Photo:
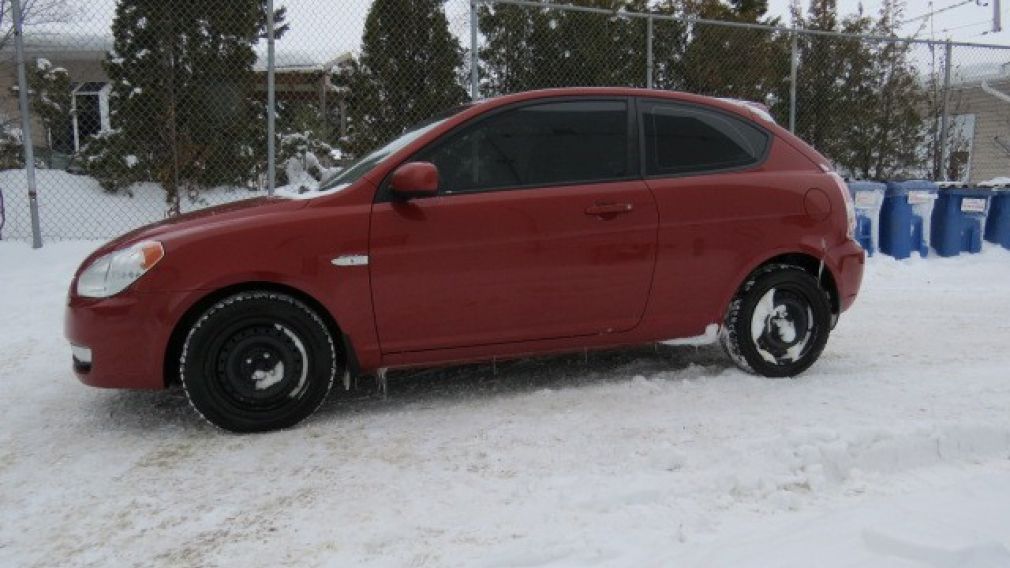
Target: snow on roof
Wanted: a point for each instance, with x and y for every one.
(295, 60)
(70, 45)
(979, 72)
(995, 182)
(76, 45)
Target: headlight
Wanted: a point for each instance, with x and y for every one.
(110, 274)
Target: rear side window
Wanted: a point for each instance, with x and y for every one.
(537, 145)
(683, 139)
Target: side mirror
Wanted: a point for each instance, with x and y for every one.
(415, 179)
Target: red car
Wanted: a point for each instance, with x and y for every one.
(540, 222)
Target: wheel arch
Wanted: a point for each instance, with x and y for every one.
(173, 350)
(811, 264)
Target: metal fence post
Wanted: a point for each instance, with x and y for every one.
(474, 56)
(271, 104)
(794, 65)
(648, 52)
(945, 116)
(26, 123)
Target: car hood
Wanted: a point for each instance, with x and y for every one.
(204, 219)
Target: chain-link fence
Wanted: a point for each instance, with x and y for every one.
(142, 109)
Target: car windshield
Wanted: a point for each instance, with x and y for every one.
(353, 173)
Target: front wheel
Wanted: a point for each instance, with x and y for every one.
(258, 361)
(778, 323)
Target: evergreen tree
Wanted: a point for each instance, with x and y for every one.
(733, 62)
(598, 50)
(409, 69)
(669, 46)
(819, 70)
(50, 100)
(828, 76)
(528, 48)
(521, 47)
(957, 143)
(183, 102)
(886, 128)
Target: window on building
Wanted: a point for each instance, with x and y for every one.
(89, 113)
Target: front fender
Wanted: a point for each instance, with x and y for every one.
(295, 251)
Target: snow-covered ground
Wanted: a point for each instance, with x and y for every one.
(894, 450)
(75, 206)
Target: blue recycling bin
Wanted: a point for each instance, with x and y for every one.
(959, 220)
(867, 197)
(997, 225)
(905, 218)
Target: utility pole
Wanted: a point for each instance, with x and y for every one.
(26, 122)
(945, 116)
(474, 54)
(997, 24)
(794, 64)
(271, 103)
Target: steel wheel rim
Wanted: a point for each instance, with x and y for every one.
(259, 367)
(783, 326)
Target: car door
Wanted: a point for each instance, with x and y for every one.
(542, 228)
(718, 205)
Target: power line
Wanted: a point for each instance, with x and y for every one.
(983, 22)
(937, 11)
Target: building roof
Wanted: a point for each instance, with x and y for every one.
(296, 60)
(77, 46)
(977, 73)
(66, 45)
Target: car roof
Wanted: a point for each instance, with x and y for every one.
(739, 107)
(464, 113)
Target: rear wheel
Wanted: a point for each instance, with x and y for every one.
(778, 323)
(258, 361)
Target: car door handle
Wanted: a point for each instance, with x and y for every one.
(609, 209)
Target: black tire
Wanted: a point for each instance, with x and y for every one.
(258, 361)
(778, 323)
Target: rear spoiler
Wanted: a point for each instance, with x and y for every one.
(759, 108)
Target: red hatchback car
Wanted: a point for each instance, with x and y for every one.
(547, 221)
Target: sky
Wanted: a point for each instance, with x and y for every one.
(969, 22)
(336, 25)
(326, 28)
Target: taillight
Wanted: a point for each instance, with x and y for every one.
(850, 207)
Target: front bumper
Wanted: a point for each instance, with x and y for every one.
(120, 342)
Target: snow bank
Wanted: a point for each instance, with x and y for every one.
(892, 451)
(996, 182)
(75, 206)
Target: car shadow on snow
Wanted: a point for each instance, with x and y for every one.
(516, 377)
(145, 411)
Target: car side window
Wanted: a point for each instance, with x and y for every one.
(683, 139)
(536, 145)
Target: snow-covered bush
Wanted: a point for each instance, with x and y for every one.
(11, 152)
(183, 96)
(109, 158)
(50, 97)
(305, 160)
(304, 156)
